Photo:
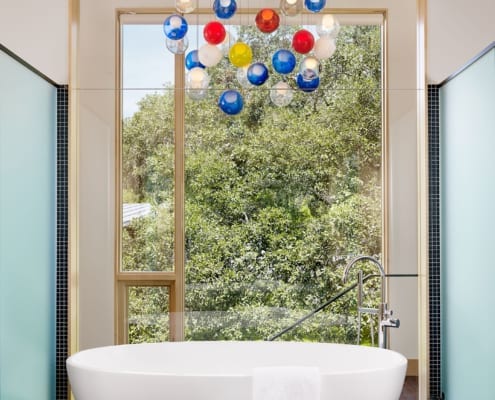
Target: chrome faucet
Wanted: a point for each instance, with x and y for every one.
(384, 314)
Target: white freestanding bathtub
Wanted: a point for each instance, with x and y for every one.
(223, 370)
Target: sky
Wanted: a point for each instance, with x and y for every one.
(147, 63)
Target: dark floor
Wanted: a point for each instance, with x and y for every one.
(410, 391)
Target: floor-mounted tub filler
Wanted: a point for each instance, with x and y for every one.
(236, 371)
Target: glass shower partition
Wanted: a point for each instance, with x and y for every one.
(27, 232)
(467, 176)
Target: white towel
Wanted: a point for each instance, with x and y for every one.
(286, 383)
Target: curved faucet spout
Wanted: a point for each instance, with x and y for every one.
(362, 258)
(374, 261)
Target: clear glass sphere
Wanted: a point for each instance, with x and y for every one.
(197, 82)
(291, 8)
(209, 55)
(309, 68)
(281, 94)
(324, 48)
(328, 26)
(225, 45)
(197, 78)
(241, 76)
(197, 94)
(185, 6)
(177, 46)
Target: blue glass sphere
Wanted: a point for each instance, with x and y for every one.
(231, 102)
(315, 5)
(175, 27)
(192, 60)
(283, 61)
(307, 85)
(224, 9)
(257, 73)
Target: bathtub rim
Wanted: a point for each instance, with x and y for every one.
(400, 361)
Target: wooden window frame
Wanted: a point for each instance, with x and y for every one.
(123, 293)
(175, 280)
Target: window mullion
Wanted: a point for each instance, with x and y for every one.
(177, 300)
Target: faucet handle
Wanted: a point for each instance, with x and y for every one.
(387, 320)
(390, 323)
(387, 313)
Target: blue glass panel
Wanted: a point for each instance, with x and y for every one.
(27, 233)
(467, 179)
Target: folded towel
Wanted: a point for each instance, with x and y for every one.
(286, 383)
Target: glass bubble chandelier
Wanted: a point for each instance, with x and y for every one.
(251, 73)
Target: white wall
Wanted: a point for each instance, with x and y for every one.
(457, 31)
(97, 181)
(37, 31)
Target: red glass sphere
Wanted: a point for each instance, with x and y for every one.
(267, 20)
(303, 41)
(214, 32)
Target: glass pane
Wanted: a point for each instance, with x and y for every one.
(279, 198)
(147, 314)
(336, 324)
(28, 133)
(147, 150)
(467, 176)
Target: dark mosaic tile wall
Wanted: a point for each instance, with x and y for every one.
(62, 308)
(434, 239)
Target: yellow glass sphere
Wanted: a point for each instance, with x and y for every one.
(240, 55)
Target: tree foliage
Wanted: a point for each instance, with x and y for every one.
(277, 199)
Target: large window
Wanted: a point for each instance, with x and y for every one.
(235, 226)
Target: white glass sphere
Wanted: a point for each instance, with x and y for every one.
(185, 6)
(328, 26)
(281, 94)
(324, 48)
(209, 55)
(309, 68)
(177, 46)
